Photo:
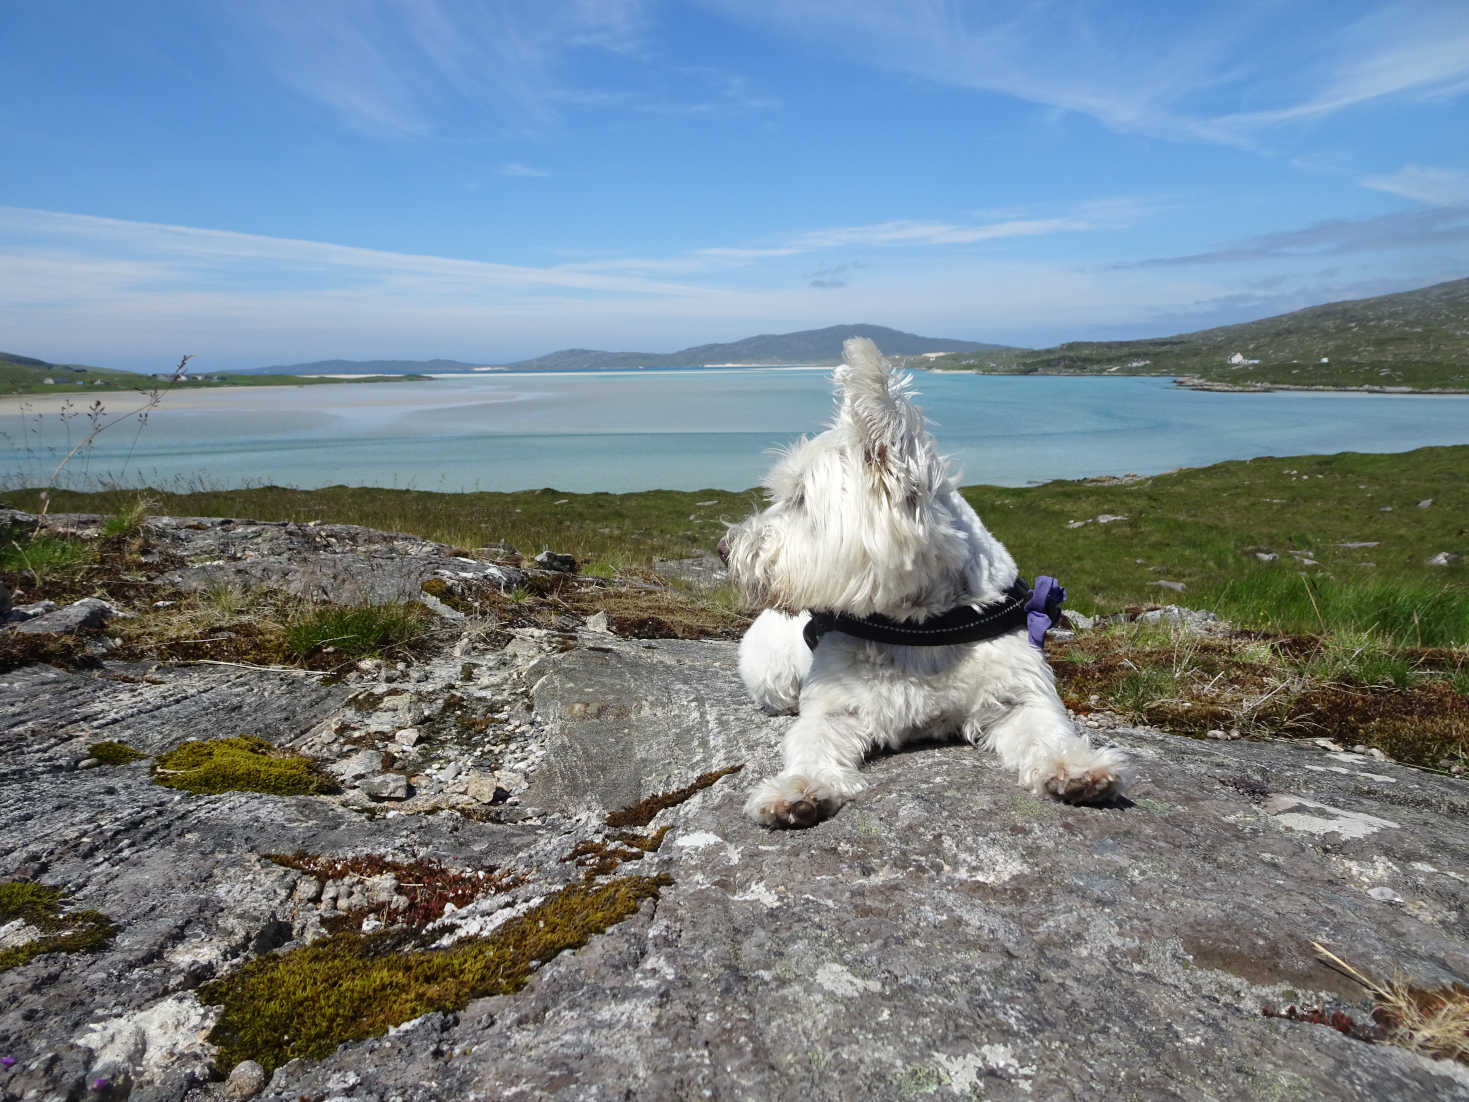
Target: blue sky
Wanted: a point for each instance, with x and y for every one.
(276, 181)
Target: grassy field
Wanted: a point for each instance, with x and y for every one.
(1340, 626)
(1203, 528)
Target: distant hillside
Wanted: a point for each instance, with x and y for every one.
(813, 346)
(27, 375)
(362, 367)
(1417, 340)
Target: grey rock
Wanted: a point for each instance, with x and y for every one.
(1198, 619)
(1426, 503)
(552, 560)
(32, 610)
(4, 601)
(1078, 620)
(1177, 587)
(943, 935)
(363, 763)
(599, 622)
(1266, 556)
(385, 786)
(89, 612)
(704, 571)
(1444, 558)
(245, 1081)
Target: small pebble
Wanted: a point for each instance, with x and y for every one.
(245, 1081)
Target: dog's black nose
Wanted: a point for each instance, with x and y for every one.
(723, 549)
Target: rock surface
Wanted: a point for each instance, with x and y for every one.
(946, 935)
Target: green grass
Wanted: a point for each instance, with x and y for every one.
(354, 631)
(45, 558)
(1201, 527)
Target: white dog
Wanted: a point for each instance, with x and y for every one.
(865, 523)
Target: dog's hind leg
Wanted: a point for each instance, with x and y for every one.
(822, 754)
(1036, 738)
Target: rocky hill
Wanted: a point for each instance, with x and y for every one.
(1416, 340)
(810, 346)
(515, 866)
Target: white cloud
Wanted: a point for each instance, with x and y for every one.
(516, 168)
(1443, 187)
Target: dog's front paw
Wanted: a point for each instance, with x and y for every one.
(791, 800)
(1098, 780)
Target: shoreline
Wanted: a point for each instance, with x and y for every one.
(1195, 382)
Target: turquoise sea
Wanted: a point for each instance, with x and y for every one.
(686, 430)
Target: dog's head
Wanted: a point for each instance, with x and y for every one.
(865, 518)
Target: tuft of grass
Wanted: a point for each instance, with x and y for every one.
(46, 558)
(126, 521)
(114, 753)
(306, 1002)
(242, 764)
(40, 906)
(1434, 1022)
(354, 631)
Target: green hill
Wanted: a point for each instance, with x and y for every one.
(1414, 340)
(28, 375)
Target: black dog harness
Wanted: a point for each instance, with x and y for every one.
(965, 624)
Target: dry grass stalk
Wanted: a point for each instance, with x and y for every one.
(1432, 1022)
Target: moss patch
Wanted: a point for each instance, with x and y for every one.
(40, 906)
(114, 753)
(642, 812)
(306, 1002)
(241, 764)
(602, 856)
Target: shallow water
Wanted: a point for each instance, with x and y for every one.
(687, 430)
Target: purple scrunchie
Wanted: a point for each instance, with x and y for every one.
(1043, 610)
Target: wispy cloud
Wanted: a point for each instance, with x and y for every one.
(1174, 76)
(1440, 186)
(902, 232)
(152, 254)
(516, 168)
(1442, 226)
(415, 68)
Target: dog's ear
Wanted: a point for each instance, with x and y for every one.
(888, 424)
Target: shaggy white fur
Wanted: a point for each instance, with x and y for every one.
(865, 519)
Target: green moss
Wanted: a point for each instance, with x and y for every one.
(39, 905)
(242, 764)
(114, 753)
(642, 812)
(306, 1002)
